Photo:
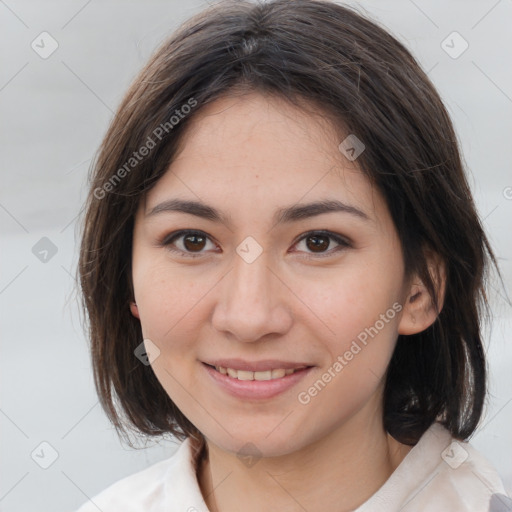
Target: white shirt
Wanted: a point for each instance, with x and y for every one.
(438, 474)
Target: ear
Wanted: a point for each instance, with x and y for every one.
(419, 311)
(134, 309)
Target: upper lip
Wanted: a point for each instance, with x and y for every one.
(256, 366)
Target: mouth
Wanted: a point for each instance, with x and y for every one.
(255, 381)
(275, 373)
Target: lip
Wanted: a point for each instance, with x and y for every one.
(256, 389)
(256, 366)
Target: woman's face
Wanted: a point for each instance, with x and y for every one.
(293, 262)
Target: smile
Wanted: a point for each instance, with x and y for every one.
(264, 381)
(262, 375)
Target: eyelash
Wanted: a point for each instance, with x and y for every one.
(343, 242)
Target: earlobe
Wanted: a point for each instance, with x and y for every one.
(134, 309)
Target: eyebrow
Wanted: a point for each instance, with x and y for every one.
(282, 215)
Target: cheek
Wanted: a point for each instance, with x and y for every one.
(170, 303)
(350, 299)
(358, 344)
(172, 310)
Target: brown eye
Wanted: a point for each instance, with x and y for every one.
(189, 243)
(322, 243)
(317, 243)
(194, 242)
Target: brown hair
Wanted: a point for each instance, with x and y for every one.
(363, 79)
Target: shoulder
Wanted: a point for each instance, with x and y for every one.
(166, 484)
(131, 492)
(441, 473)
(468, 479)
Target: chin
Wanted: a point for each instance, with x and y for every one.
(258, 443)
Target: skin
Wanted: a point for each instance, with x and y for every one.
(247, 157)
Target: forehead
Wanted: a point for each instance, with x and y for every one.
(265, 150)
(267, 128)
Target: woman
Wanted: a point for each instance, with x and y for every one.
(283, 268)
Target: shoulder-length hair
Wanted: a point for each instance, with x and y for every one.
(366, 82)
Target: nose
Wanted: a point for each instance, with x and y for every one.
(253, 302)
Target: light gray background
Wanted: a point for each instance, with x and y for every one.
(54, 113)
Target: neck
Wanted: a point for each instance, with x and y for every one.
(339, 472)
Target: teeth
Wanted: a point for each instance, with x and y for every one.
(232, 373)
(278, 373)
(266, 375)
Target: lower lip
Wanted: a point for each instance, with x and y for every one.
(256, 389)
